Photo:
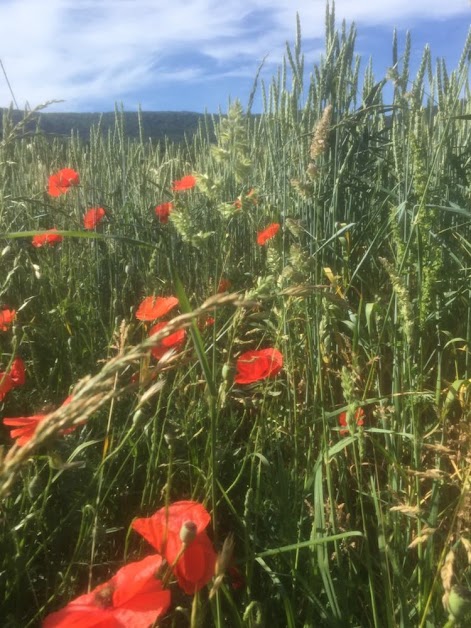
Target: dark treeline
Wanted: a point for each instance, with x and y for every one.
(154, 125)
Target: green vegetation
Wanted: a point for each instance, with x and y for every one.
(366, 292)
(173, 126)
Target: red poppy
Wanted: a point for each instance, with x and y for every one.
(15, 377)
(268, 233)
(48, 237)
(359, 417)
(25, 426)
(61, 181)
(134, 598)
(163, 211)
(193, 563)
(185, 183)
(6, 384)
(173, 341)
(253, 366)
(93, 217)
(18, 372)
(155, 307)
(204, 323)
(236, 578)
(224, 285)
(6, 318)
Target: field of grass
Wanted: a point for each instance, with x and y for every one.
(365, 290)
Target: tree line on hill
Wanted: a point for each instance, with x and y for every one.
(148, 125)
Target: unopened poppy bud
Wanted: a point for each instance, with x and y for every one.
(226, 371)
(138, 418)
(188, 532)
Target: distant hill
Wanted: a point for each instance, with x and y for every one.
(156, 125)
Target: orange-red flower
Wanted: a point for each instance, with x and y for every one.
(93, 217)
(173, 341)
(155, 307)
(15, 377)
(237, 579)
(252, 366)
(163, 211)
(224, 285)
(49, 237)
(6, 384)
(18, 372)
(25, 426)
(193, 563)
(185, 183)
(61, 181)
(268, 233)
(133, 598)
(6, 319)
(359, 418)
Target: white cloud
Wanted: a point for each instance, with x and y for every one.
(87, 51)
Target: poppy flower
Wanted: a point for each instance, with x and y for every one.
(252, 366)
(204, 323)
(155, 307)
(25, 426)
(185, 183)
(192, 559)
(93, 217)
(49, 237)
(134, 598)
(18, 372)
(224, 285)
(6, 318)
(359, 417)
(6, 384)
(60, 182)
(15, 377)
(173, 341)
(163, 211)
(268, 233)
(236, 578)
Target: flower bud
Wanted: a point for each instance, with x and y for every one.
(188, 532)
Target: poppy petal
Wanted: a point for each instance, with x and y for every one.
(93, 217)
(61, 181)
(163, 211)
(155, 307)
(185, 183)
(6, 319)
(49, 237)
(267, 233)
(18, 372)
(253, 366)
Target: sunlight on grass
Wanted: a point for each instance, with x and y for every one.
(263, 344)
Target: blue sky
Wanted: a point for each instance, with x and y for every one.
(194, 55)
